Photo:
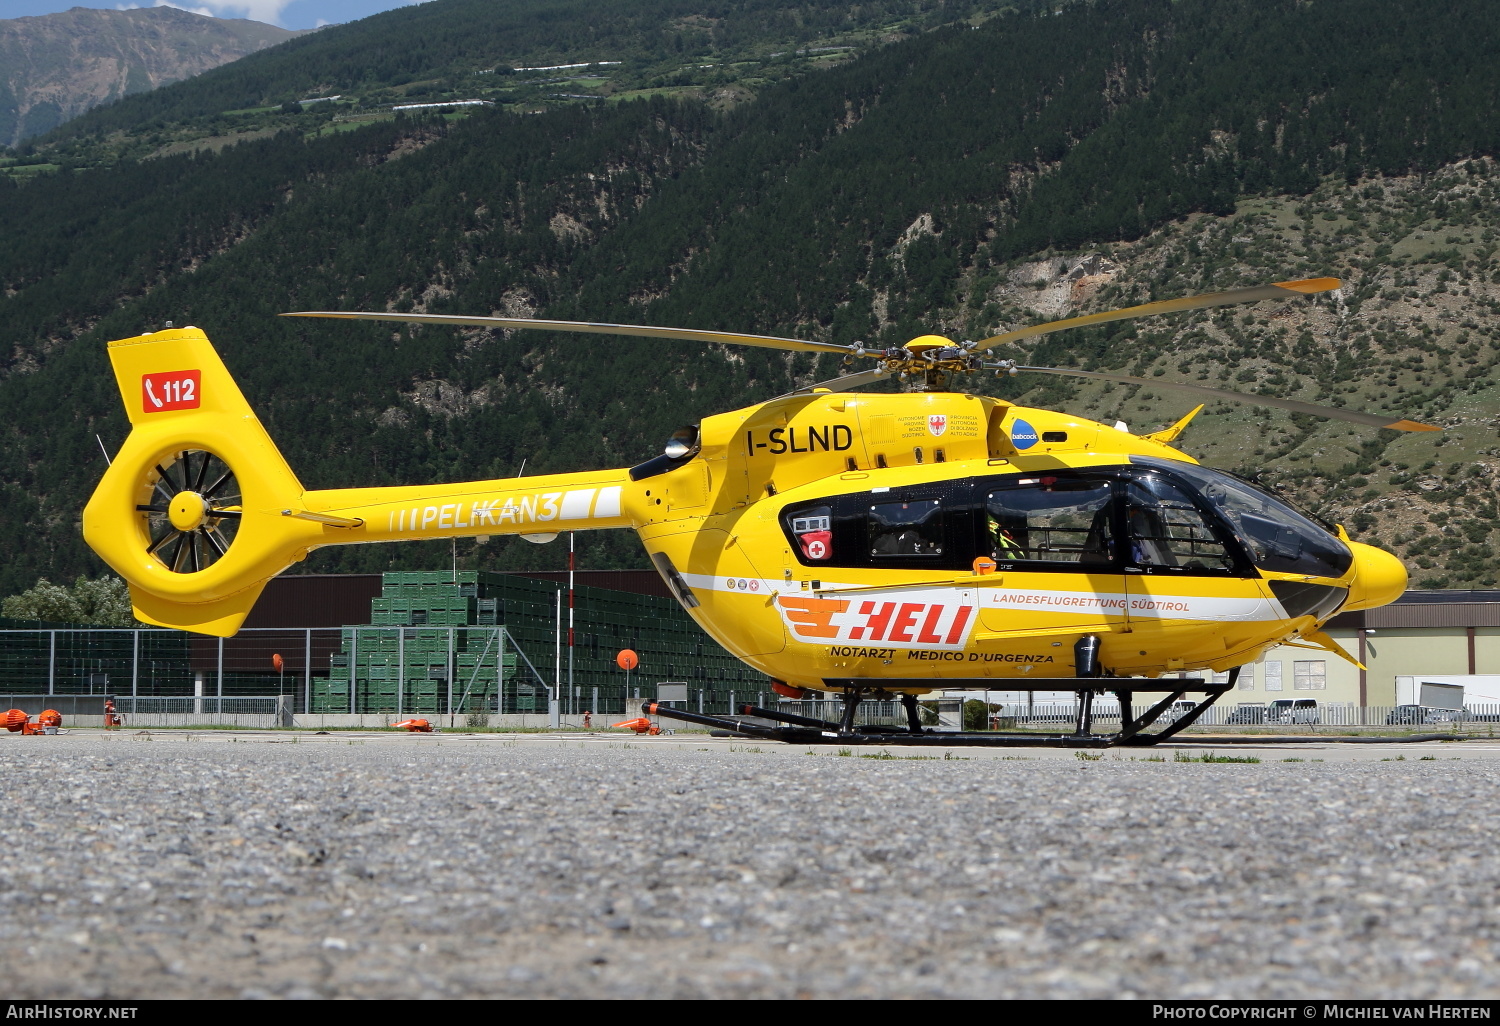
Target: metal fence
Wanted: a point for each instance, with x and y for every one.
(1480, 717)
(262, 711)
(349, 670)
(357, 670)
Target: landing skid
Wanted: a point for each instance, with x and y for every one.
(804, 730)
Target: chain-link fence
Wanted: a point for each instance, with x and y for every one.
(977, 714)
(337, 670)
(394, 671)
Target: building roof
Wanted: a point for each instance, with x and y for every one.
(1457, 608)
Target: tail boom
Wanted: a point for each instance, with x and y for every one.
(199, 509)
(587, 501)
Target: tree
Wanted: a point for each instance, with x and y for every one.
(102, 602)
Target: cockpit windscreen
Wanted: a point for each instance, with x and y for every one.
(1278, 537)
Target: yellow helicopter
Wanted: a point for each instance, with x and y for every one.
(864, 544)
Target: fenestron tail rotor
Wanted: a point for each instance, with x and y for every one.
(937, 359)
(193, 511)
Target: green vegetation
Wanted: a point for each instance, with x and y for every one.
(939, 182)
(522, 54)
(103, 602)
(1213, 757)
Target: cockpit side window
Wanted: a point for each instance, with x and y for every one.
(1063, 520)
(1168, 533)
(1277, 536)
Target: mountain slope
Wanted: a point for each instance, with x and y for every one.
(1118, 152)
(56, 66)
(470, 49)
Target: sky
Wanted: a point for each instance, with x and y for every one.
(292, 14)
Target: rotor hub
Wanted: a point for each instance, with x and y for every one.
(187, 511)
(922, 344)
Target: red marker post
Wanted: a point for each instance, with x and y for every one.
(627, 660)
(279, 665)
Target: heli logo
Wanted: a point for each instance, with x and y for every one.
(937, 424)
(895, 623)
(171, 390)
(1023, 435)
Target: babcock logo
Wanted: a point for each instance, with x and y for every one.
(1022, 435)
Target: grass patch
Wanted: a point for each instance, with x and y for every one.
(1088, 756)
(1213, 757)
(1293, 760)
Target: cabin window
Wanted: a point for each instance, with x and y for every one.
(813, 530)
(1051, 519)
(1169, 533)
(926, 529)
(905, 528)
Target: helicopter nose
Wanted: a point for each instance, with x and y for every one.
(1379, 578)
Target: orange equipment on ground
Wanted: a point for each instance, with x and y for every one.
(588, 719)
(112, 719)
(641, 725)
(416, 726)
(17, 722)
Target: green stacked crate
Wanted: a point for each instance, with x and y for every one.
(447, 617)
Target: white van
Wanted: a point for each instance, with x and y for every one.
(1293, 710)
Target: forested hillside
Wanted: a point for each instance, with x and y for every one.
(56, 66)
(528, 56)
(968, 179)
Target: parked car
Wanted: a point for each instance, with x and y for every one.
(1247, 714)
(1411, 715)
(1293, 710)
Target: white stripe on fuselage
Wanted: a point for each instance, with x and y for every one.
(942, 616)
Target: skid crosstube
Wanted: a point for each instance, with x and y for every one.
(795, 729)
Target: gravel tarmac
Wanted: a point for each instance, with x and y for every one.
(140, 866)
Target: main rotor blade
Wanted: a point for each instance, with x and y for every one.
(641, 330)
(848, 381)
(1295, 405)
(1280, 290)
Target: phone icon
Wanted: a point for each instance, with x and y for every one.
(165, 391)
